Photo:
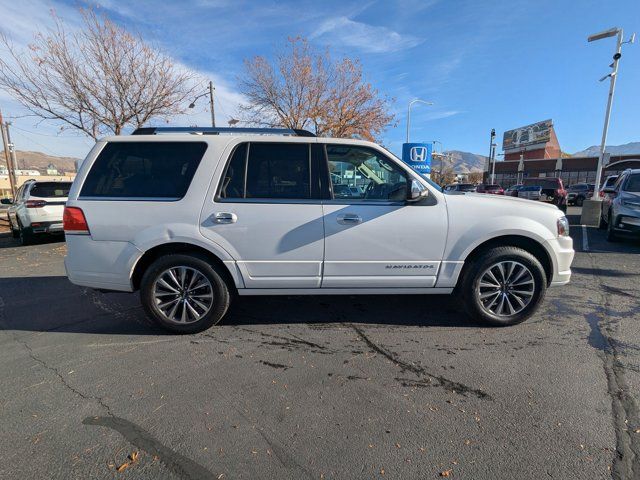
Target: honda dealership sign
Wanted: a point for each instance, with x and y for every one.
(417, 156)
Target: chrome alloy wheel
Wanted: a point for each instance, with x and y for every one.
(183, 295)
(505, 288)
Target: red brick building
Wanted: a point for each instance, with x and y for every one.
(534, 151)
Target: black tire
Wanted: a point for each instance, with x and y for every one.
(579, 201)
(25, 235)
(563, 208)
(220, 289)
(603, 223)
(469, 289)
(14, 233)
(611, 234)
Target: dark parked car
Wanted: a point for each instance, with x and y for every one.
(579, 192)
(460, 187)
(513, 190)
(552, 190)
(608, 183)
(490, 188)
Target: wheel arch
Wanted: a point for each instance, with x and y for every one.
(149, 256)
(527, 244)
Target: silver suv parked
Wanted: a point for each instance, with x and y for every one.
(620, 213)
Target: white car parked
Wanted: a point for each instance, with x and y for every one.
(38, 209)
(191, 220)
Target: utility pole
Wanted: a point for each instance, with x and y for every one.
(5, 142)
(213, 115)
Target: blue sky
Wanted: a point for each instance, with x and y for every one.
(492, 64)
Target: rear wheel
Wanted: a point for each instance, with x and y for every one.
(184, 293)
(611, 234)
(504, 286)
(25, 235)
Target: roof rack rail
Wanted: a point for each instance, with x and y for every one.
(218, 130)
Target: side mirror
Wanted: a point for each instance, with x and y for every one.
(417, 192)
(6, 201)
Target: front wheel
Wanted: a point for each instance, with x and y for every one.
(504, 286)
(579, 201)
(184, 293)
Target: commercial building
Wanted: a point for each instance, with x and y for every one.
(534, 151)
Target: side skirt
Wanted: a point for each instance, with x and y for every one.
(344, 291)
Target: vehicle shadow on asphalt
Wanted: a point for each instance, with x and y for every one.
(7, 241)
(66, 308)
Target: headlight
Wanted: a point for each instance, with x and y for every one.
(563, 227)
(630, 203)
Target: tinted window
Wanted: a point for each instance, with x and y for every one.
(269, 171)
(379, 178)
(144, 170)
(278, 171)
(633, 183)
(232, 185)
(50, 189)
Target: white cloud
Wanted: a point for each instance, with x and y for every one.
(368, 38)
(31, 133)
(441, 114)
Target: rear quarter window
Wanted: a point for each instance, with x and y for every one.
(153, 170)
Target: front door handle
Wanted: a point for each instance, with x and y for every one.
(349, 219)
(224, 217)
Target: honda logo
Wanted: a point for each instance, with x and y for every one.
(418, 154)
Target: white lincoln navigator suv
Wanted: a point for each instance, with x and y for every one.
(192, 217)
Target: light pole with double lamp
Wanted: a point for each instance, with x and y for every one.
(613, 75)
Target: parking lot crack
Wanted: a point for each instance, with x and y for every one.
(446, 383)
(626, 417)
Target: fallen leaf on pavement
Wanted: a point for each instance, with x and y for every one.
(446, 473)
(122, 467)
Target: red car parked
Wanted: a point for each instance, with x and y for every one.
(489, 188)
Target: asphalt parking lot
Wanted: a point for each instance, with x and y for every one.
(321, 387)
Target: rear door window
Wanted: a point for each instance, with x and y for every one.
(140, 170)
(269, 171)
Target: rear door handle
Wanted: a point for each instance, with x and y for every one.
(224, 217)
(349, 219)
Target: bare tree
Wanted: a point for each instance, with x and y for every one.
(99, 80)
(307, 89)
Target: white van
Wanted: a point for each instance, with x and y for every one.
(192, 217)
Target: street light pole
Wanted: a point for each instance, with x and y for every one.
(491, 145)
(409, 113)
(612, 86)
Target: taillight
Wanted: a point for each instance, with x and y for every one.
(35, 203)
(73, 221)
(601, 193)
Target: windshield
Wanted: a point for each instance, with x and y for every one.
(633, 184)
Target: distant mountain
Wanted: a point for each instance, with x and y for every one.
(464, 162)
(626, 149)
(40, 161)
